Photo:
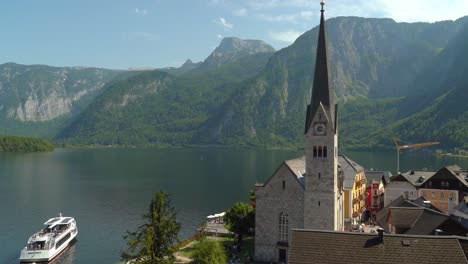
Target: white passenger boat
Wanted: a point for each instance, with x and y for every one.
(47, 244)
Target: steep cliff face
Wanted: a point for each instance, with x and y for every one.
(37, 93)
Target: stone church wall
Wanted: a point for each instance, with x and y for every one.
(271, 200)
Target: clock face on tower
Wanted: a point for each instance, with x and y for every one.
(320, 129)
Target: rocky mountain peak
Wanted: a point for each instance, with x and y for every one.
(232, 48)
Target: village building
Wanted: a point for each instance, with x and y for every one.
(354, 186)
(418, 217)
(406, 185)
(305, 192)
(329, 247)
(376, 181)
(444, 188)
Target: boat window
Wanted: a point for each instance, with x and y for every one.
(63, 240)
(37, 245)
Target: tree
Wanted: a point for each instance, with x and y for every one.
(240, 219)
(209, 252)
(154, 241)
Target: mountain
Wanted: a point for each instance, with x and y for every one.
(440, 96)
(391, 79)
(186, 67)
(157, 107)
(370, 58)
(232, 49)
(37, 99)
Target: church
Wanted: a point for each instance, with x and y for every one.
(305, 192)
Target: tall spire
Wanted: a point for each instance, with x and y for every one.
(322, 90)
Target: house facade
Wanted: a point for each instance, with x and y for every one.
(375, 188)
(354, 186)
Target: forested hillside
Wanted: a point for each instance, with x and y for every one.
(24, 144)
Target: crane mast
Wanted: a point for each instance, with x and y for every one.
(416, 145)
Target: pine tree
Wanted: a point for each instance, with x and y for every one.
(155, 240)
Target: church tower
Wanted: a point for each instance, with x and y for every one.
(323, 200)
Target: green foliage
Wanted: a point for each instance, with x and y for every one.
(24, 144)
(209, 252)
(155, 240)
(240, 219)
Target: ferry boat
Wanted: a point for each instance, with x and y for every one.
(48, 242)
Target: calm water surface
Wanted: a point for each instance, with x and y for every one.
(107, 190)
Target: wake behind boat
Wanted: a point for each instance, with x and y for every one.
(47, 244)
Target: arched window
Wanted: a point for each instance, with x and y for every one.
(325, 151)
(320, 152)
(283, 227)
(315, 151)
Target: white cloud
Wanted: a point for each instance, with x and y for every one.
(221, 21)
(141, 12)
(285, 36)
(295, 11)
(240, 12)
(219, 36)
(400, 10)
(424, 10)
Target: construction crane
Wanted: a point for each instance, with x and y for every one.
(417, 145)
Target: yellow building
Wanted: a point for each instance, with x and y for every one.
(354, 186)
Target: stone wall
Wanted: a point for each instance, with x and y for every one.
(271, 200)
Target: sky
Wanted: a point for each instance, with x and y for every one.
(118, 34)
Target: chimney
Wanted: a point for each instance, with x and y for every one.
(427, 204)
(437, 232)
(450, 206)
(380, 231)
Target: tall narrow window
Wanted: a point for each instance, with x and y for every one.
(315, 151)
(320, 152)
(325, 151)
(284, 185)
(283, 227)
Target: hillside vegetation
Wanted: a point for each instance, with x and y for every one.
(24, 144)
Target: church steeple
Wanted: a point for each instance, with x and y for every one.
(322, 90)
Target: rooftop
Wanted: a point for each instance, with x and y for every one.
(316, 246)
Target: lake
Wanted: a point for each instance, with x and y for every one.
(108, 190)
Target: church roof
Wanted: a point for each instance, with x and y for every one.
(322, 91)
(297, 166)
(317, 246)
